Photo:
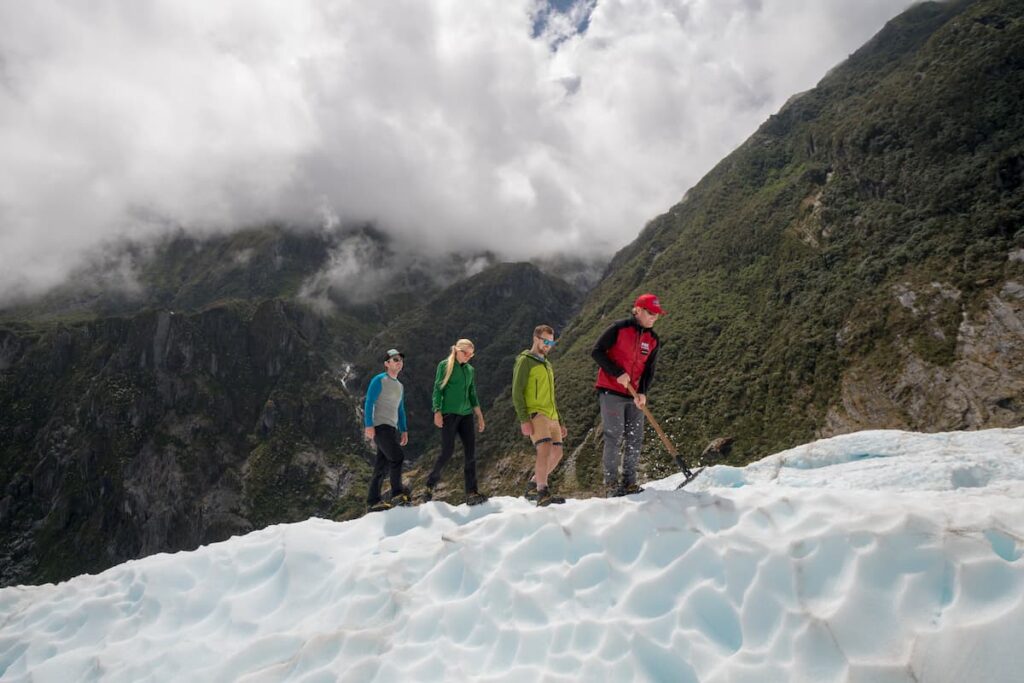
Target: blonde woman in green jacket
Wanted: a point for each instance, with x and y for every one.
(533, 395)
(454, 403)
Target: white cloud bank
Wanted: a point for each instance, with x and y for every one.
(446, 121)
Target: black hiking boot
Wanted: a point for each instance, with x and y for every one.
(427, 495)
(630, 489)
(379, 506)
(613, 491)
(401, 497)
(545, 498)
(475, 498)
(531, 491)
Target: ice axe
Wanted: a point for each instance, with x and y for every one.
(687, 472)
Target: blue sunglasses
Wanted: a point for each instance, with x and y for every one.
(549, 342)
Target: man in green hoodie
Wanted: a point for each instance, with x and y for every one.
(533, 395)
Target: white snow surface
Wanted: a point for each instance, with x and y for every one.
(881, 556)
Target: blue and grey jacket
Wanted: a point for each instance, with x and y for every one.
(385, 403)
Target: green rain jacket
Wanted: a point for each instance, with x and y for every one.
(533, 387)
(459, 395)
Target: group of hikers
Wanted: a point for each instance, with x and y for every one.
(625, 353)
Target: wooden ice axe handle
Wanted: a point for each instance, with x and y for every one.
(657, 427)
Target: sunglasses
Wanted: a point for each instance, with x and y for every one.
(548, 342)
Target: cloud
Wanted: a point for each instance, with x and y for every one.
(451, 125)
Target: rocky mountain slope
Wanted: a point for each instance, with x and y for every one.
(857, 263)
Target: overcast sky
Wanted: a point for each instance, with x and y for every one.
(462, 124)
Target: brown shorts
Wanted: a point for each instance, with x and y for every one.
(545, 429)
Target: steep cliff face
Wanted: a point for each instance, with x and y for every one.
(124, 437)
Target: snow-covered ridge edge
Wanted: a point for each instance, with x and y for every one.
(991, 460)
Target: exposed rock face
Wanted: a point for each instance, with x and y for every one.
(126, 437)
(981, 387)
(716, 450)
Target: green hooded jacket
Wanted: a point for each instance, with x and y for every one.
(533, 387)
(459, 395)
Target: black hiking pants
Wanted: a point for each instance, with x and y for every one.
(389, 460)
(465, 428)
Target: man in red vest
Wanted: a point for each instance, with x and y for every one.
(625, 355)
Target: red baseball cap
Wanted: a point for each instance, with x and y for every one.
(649, 302)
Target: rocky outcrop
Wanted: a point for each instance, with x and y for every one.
(981, 387)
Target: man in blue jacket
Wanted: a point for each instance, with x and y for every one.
(384, 423)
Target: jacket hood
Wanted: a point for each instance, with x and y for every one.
(529, 354)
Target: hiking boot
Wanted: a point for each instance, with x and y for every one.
(427, 495)
(402, 497)
(531, 491)
(475, 498)
(379, 506)
(613, 491)
(630, 489)
(545, 498)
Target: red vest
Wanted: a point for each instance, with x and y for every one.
(630, 352)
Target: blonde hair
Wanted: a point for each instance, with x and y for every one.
(461, 345)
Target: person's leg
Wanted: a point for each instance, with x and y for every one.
(555, 456)
(387, 441)
(542, 442)
(613, 418)
(548, 455)
(467, 434)
(541, 471)
(557, 451)
(548, 441)
(448, 430)
(634, 440)
(380, 466)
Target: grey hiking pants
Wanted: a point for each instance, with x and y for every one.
(623, 430)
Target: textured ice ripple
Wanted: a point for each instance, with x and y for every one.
(763, 582)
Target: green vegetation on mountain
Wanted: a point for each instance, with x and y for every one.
(160, 430)
(127, 436)
(856, 237)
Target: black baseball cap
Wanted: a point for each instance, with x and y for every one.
(391, 353)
